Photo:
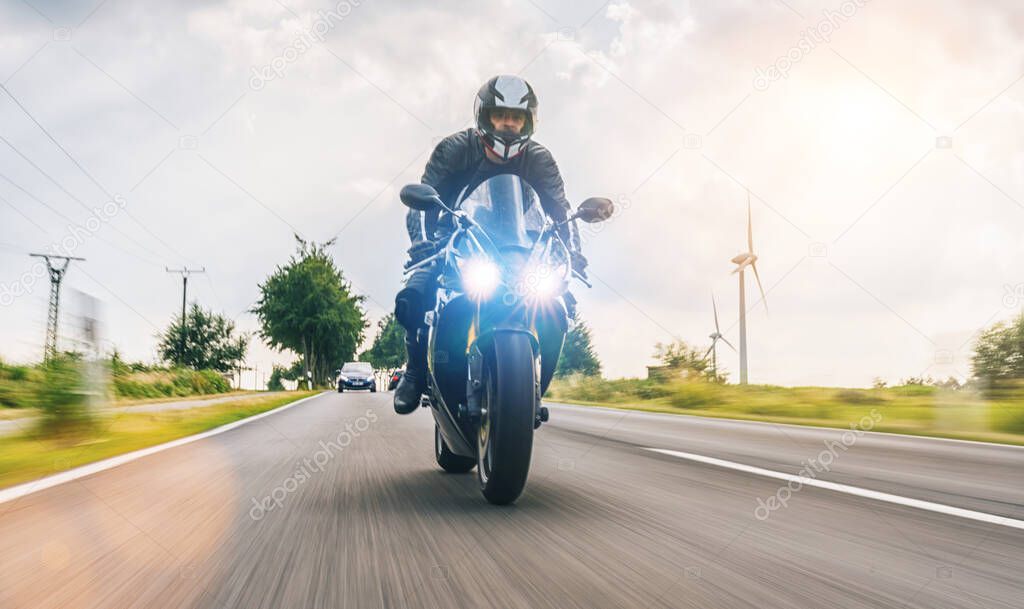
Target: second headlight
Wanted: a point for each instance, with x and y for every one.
(480, 276)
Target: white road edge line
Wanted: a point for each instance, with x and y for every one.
(849, 490)
(27, 488)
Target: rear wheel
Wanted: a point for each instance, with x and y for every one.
(449, 461)
(505, 438)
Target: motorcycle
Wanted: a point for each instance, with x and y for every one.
(497, 328)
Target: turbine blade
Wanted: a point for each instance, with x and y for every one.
(709, 350)
(726, 341)
(764, 298)
(715, 308)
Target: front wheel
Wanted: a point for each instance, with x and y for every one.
(505, 438)
(449, 461)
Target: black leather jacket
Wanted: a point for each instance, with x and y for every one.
(459, 161)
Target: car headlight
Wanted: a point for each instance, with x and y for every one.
(343, 378)
(480, 276)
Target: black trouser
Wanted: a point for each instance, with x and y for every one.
(411, 305)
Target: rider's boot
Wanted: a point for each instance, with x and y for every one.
(414, 381)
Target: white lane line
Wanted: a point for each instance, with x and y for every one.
(27, 488)
(849, 490)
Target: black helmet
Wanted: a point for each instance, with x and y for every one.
(505, 92)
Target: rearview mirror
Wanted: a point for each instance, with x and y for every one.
(420, 197)
(595, 209)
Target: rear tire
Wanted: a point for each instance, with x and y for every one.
(505, 438)
(449, 461)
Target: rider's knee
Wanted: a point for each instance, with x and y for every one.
(409, 308)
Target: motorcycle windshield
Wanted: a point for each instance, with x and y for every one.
(507, 209)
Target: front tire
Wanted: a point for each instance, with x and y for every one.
(449, 461)
(505, 438)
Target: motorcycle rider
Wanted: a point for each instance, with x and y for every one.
(506, 117)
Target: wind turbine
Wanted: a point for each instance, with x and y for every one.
(742, 261)
(715, 337)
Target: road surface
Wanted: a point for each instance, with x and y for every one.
(298, 510)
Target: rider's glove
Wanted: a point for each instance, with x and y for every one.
(579, 263)
(420, 251)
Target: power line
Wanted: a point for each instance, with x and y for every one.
(73, 197)
(22, 214)
(80, 167)
(73, 222)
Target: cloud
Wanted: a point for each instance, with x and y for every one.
(650, 102)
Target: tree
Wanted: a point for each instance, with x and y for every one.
(209, 343)
(578, 355)
(681, 357)
(274, 382)
(999, 352)
(63, 396)
(308, 308)
(388, 350)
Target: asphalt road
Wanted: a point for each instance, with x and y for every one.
(266, 516)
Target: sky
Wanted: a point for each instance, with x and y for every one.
(879, 142)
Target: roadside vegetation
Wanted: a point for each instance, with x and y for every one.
(914, 408)
(308, 308)
(989, 406)
(41, 452)
(34, 386)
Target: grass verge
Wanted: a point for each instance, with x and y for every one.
(29, 456)
(913, 409)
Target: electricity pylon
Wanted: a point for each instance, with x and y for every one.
(53, 314)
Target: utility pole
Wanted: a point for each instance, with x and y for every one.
(53, 314)
(184, 272)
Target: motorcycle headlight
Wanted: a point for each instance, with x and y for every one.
(480, 276)
(543, 281)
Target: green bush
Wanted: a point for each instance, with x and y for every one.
(63, 397)
(17, 394)
(915, 390)
(857, 396)
(649, 390)
(133, 389)
(1007, 418)
(693, 394)
(179, 382)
